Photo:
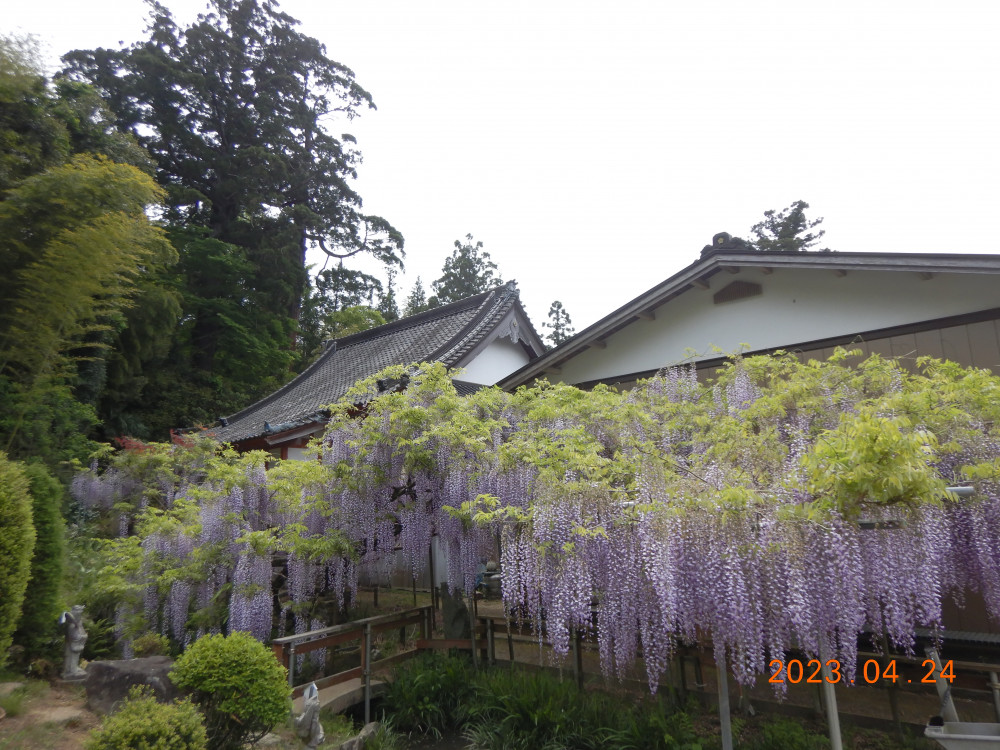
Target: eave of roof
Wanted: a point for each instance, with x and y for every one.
(715, 261)
(301, 401)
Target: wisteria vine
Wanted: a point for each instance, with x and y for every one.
(780, 506)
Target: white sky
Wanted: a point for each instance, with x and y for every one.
(595, 148)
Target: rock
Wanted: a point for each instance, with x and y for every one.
(108, 682)
(359, 742)
(6, 688)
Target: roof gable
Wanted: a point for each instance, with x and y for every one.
(446, 334)
(729, 297)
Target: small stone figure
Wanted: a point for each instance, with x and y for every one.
(307, 725)
(76, 637)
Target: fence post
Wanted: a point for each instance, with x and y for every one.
(491, 642)
(475, 648)
(366, 670)
(577, 659)
(291, 664)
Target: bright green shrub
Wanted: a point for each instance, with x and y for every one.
(17, 540)
(144, 724)
(37, 628)
(239, 686)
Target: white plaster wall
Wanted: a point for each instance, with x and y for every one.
(297, 454)
(498, 359)
(797, 305)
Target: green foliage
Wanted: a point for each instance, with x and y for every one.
(151, 644)
(17, 540)
(501, 709)
(144, 724)
(334, 291)
(239, 686)
(785, 734)
(429, 693)
(16, 701)
(37, 629)
(416, 302)
(559, 323)
(351, 320)
(468, 271)
(74, 240)
(787, 231)
(254, 178)
(870, 460)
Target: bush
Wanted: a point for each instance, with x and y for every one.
(785, 734)
(428, 693)
(151, 644)
(36, 630)
(17, 540)
(143, 724)
(240, 687)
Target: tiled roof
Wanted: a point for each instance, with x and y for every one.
(444, 334)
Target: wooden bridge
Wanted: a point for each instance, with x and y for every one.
(341, 690)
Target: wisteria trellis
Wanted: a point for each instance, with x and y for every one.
(783, 506)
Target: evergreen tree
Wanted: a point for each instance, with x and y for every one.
(417, 301)
(468, 271)
(787, 231)
(559, 324)
(387, 304)
(233, 110)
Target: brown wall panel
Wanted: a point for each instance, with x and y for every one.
(955, 342)
(984, 345)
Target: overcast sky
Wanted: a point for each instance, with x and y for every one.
(595, 148)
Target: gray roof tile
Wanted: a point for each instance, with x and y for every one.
(445, 334)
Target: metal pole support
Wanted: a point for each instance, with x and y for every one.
(725, 721)
(830, 706)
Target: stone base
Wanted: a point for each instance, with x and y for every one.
(77, 677)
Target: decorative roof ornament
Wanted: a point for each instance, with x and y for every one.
(724, 241)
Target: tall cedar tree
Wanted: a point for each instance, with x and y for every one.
(232, 109)
(559, 324)
(468, 271)
(787, 231)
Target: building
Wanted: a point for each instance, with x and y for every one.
(488, 335)
(735, 299)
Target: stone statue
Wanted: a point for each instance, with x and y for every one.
(76, 637)
(307, 725)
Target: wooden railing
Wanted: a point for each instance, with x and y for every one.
(288, 648)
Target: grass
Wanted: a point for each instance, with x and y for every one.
(15, 703)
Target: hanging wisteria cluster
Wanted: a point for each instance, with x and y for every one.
(782, 506)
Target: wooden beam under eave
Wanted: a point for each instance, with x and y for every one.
(700, 283)
(926, 275)
(646, 315)
(598, 344)
(553, 370)
(766, 270)
(840, 272)
(731, 269)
